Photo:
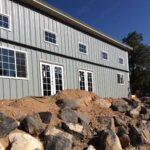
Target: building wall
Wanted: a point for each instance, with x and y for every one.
(105, 79)
(27, 27)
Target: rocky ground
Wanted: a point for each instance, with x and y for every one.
(75, 120)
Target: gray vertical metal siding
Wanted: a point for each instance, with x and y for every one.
(27, 27)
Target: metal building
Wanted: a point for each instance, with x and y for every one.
(43, 50)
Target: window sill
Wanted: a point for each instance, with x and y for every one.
(51, 43)
(5, 29)
(15, 78)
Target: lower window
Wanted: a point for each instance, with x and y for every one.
(120, 78)
(12, 63)
(86, 80)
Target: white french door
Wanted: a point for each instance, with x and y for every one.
(51, 79)
(86, 80)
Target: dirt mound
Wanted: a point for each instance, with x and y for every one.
(29, 105)
(77, 94)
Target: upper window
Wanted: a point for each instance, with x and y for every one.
(82, 48)
(105, 55)
(13, 63)
(120, 78)
(50, 37)
(4, 21)
(121, 61)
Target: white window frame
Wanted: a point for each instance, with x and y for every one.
(9, 21)
(84, 45)
(17, 78)
(102, 55)
(46, 30)
(123, 78)
(86, 79)
(122, 59)
(52, 66)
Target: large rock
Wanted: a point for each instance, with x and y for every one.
(124, 140)
(139, 134)
(75, 129)
(91, 148)
(130, 148)
(119, 122)
(135, 112)
(1, 147)
(45, 117)
(83, 118)
(103, 103)
(33, 125)
(121, 106)
(109, 141)
(69, 102)
(7, 124)
(68, 115)
(24, 141)
(144, 147)
(106, 122)
(57, 139)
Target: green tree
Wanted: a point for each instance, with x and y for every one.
(139, 63)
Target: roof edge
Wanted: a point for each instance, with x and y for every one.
(47, 8)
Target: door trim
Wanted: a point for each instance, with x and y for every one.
(52, 67)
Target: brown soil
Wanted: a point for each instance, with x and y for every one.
(29, 105)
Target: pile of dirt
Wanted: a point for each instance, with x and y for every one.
(95, 114)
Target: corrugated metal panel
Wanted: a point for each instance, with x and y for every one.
(28, 28)
(105, 80)
(25, 25)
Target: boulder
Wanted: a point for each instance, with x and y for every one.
(132, 103)
(144, 147)
(68, 115)
(69, 102)
(83, 118)
(75, 129)
(135, 112)
(1, 147)
(33, 125)
(23, 141)
(124, 140)
(119, 122)
(130, 148)
(7, 124)
(45, 117)
(103, 103)
(139, 134)
(106, 122)
(91, 148)
(121, 106)
(57, 139)
(121, 130)
(109, 141)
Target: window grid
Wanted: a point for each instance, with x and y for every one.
(46, 80)
(58, 79)
(82, 48)
(90, 82)
(105, 55)
(121, 61)
(4, 21)
(82, 80)
(21, 64)
(120, 78)
(50, 37)
(9, 65)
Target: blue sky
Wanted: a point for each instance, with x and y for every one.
(114, 17)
